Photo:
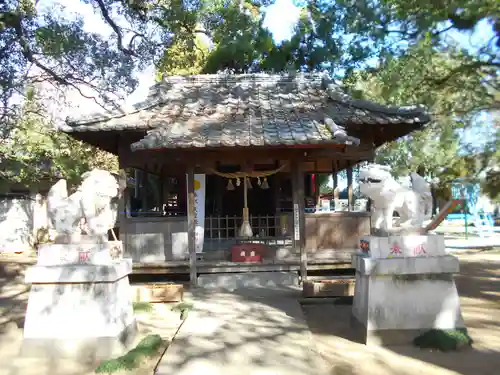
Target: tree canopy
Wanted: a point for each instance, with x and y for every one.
(392, 51)
(36, 151)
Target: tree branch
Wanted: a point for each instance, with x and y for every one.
(114, 26)
(65, 81)
(462, 68)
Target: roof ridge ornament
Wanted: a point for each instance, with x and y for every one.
(340, 133)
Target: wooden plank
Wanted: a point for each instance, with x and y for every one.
(328, 288)
(229, 267)
(157, 292)
(191, 227)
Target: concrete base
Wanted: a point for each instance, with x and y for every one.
(233, 281)
(84, 350)
(383, 337)
(397, 299)
(79, 310)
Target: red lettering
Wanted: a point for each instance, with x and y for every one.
(83, 256)
(418, 250)
(396, 249)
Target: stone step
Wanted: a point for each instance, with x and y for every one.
(233, 281)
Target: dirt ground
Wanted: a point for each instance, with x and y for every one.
(479, 288)
(478, 284)
(13, 302)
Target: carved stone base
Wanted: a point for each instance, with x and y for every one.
(397, 299)
(399, 246)
(83, 253)
(76, 310)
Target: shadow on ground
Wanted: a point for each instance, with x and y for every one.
(478, 285)
(246, 332)
(13, 295)
(271, 322)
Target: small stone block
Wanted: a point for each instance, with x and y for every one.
(328, 288)
(158, 293)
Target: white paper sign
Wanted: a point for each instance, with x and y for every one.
(296, 222)
(199, 210)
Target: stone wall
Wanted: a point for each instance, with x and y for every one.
(21, 219)
(16, 224)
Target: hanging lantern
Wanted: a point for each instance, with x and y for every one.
(264, 185)
(238, 182)
(249, 183)
(230, 185)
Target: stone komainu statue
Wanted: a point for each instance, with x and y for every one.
(387, 195)
(95, 202)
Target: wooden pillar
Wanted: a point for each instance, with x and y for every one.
(335, 178)
(299, 216)
(191, 226)
(276, 191)
(142, 194)
(124, 199)
(162, 189)
(350, 196)
(122, 204)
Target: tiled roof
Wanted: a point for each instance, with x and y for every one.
(246, 110)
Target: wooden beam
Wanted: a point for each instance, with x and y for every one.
(347, 153)
(208, 158)
(179, 267)
(191, 227)
(299, 216)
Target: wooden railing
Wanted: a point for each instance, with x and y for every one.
(227, 227)
(221, 232)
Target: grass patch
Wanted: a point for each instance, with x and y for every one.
(184, 308)
(142, 307)
(148, 347)
(444, 340)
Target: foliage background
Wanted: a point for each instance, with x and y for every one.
(392, 51)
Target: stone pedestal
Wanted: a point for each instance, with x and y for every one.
(404, 287)
(80, 303)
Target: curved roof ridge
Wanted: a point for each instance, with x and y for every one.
(155, 96)
(205, 97)
(337, 93)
